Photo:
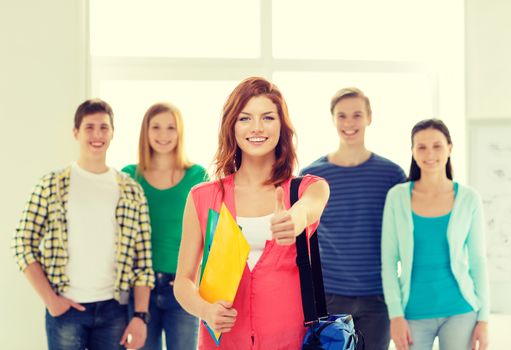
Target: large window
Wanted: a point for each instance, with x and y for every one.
(162, 28)
(406, 55)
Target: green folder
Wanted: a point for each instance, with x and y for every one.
(208, 237)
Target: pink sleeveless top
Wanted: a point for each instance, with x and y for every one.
(268, 300)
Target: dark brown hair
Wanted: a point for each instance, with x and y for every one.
(93, 106)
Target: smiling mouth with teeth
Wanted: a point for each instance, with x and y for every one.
(350, 132)
(257, 139)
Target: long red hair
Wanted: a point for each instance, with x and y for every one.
(228, 156)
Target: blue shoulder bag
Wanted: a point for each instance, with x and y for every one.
(324, 332)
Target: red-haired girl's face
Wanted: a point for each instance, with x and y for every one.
(257, 129)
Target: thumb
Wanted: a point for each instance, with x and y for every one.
(225, 304)
(229, 310)
(77, 306)
(409, 337)
(279, 200)
(125, 337)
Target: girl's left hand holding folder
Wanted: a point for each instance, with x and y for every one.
(219, 316)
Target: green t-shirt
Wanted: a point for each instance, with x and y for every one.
(166, 213)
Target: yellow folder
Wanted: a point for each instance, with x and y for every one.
(226, 261)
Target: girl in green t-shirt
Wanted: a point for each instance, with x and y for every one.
(166, 176)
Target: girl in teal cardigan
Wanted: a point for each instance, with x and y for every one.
(434, 228)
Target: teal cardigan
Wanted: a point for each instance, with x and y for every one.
(467, 249)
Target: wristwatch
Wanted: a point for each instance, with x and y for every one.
(143, 315)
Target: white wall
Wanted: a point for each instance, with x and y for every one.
(488, 85)
(488, 58)
(42, 81)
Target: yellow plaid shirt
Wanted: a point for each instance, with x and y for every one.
(41, 235)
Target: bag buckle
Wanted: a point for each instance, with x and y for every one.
(310, 323)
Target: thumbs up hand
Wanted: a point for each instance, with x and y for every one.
(282, 225)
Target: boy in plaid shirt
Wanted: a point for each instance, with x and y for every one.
(84, 240)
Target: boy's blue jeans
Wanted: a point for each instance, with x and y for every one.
(99, 327)
(369, 315)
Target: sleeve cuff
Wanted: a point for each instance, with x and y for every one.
(483, 314)
(395, 310)
(145, 279)
(24, 260)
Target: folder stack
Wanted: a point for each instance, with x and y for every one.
(224, 262)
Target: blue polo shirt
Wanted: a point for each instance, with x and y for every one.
(350, 228)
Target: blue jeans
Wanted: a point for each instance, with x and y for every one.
(369, 315)
(454, 332)
(99, 327)
(181, 328)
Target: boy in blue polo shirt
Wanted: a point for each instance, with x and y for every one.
(350, 230)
